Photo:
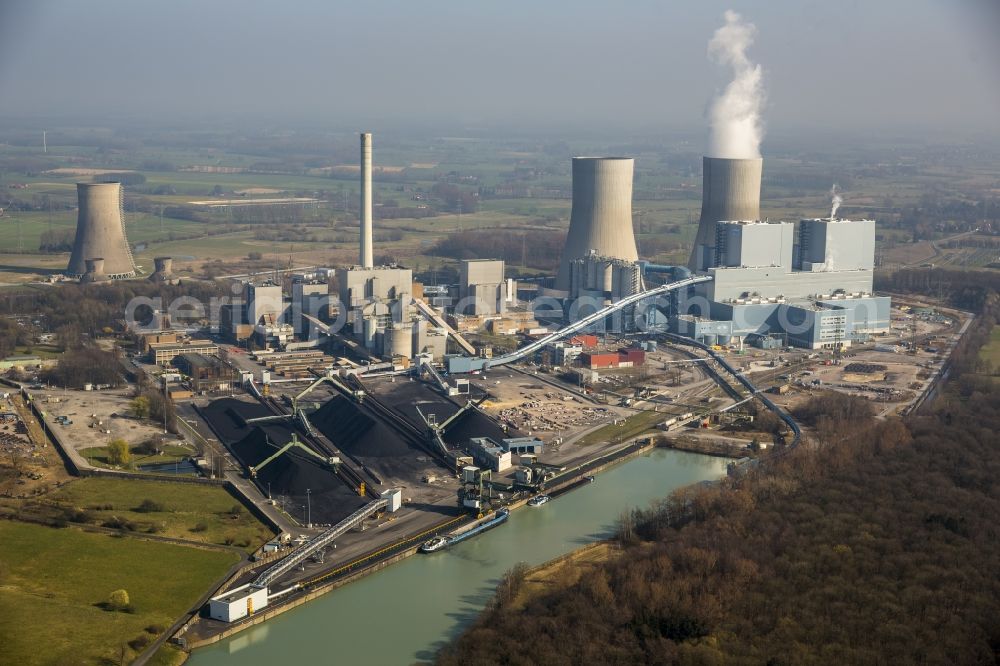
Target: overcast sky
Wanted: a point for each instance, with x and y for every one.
(842, 64)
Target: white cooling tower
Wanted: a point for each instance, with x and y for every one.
(601, 218)
(730, 192)
(100, 231)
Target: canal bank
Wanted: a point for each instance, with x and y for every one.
(405, 612)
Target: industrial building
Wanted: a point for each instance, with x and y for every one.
(205, 372)
(482, 289)
(310, 295)
(100, 243)
(238, 603)
(164, 353)
(813, 288)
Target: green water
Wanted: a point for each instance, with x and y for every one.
(405, 612)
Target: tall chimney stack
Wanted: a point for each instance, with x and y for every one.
(366, 259)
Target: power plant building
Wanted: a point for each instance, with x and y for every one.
(100, 233)
(482, 289)
(765, 283)
(601, 215)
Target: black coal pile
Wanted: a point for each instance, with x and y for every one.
(368, 440)
(288, 476)
(405, 397)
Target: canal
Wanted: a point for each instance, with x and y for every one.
(405, 612)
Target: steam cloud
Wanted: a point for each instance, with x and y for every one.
(835, 201)
(735, 112)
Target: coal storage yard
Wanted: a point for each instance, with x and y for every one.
(289, 475)
(371, 442)
(404, 397)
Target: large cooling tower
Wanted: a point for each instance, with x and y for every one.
(100, 231)
(730, 192)
(601, 218)
(366, 259)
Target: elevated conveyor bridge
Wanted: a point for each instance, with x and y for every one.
(317, 542)
(456, 365)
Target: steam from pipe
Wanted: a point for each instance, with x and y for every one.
(835, 201)
(735, 119)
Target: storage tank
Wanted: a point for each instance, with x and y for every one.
(400, 342)
(710, 339)
(601, 216)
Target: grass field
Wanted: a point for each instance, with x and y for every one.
(633, 426)
(54, 581)
(193, 512)
(98, 455)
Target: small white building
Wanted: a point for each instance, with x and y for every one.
(238, 603)
(395, 499)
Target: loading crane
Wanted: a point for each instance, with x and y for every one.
(293, 443)
(437, 430)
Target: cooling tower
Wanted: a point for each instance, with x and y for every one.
(730, 191)
(163, 270)
(94, 271)
(100, 231)
(366, 260)
(601, 218)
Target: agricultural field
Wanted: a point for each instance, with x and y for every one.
(56, 584)
(193, 512)
(515, 184)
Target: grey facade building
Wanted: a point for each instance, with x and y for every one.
(601, 216)
(100, 232)
(263, 301)
(482, 289)
(309, 296)
(815, 293)
(374, 299)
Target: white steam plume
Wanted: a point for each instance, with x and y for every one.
(835, 201)
(735, 113)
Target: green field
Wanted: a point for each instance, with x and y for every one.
(633, 426)
(193, 512)
(98, 455)
(55, 580)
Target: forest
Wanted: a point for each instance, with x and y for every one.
(876, 542)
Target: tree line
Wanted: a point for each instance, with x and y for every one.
(875, 542)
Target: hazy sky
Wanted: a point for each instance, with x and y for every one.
(843, 64)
